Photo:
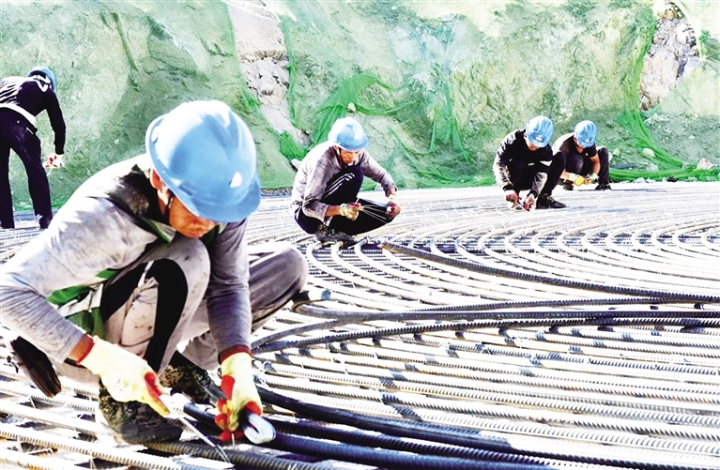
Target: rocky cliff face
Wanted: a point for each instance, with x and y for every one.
(437, 84)
(674, 53)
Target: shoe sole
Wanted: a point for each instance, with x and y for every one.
(134, 434)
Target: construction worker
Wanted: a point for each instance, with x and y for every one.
(525, 161)
(21, 100)
(150, 253)
(325, 192)
(585, 163)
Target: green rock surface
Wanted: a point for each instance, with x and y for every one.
(436, 84)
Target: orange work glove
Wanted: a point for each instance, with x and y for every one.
(238, 386)
(54, 161)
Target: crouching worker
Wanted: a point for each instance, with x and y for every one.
(149, 253)
(585, 163)
(325, 192)
(526, 161)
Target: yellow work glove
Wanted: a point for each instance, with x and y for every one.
(578, 180)
(127, 376)
(239, 387)
(350, 210)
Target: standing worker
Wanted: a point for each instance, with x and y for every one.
(147, 254)
(526, 161)
(325, 192)
(21, 100)
(585, 163)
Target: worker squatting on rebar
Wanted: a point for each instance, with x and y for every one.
(585, 162)
(146, 255)
(526, 161)
(325, 191)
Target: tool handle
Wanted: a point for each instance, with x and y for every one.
(257, 429)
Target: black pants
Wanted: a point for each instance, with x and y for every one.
(17, 134)
(341, 189)
(575, 163)
(522, 175)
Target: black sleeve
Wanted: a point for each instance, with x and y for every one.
(56, 120)
(500, 170)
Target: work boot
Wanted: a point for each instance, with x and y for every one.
(602, 187)
(328, 235)
(546, 201)
(134, 422)
(183, 376)
(568, 185)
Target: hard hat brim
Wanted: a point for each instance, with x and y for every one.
(356, 146)
(234, 211)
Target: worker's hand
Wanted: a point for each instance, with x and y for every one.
(239, 387)
(578, 180)
(351, 210)
(393, 208)
(529, 203)
(54, 161)
(127, 376)
(591, 178)
(512, 198)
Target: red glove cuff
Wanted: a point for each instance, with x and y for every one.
(87, 352)
(234, 350)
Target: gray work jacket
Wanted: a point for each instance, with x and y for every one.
(318, 167)
(91, 234)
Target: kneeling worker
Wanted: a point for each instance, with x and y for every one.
(325, 192)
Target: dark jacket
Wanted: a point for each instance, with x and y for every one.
(513, 147)
(34, 95)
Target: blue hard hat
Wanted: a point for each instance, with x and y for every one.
(539, 130)
(348, 134)
(585, 133)
(46, 72)
(206, 155)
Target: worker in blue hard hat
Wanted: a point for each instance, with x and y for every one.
(150, 254)
(585, 162)
(525, 161)
(325, 192)
(21, 100)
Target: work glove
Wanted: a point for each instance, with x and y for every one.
(591, 178)
(529, 203)
(578, 180)
(351, 210)
(512, 198)
(393, 208)
(127, 376)
(54, 161)
(239, 387)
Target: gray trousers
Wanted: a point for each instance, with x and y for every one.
(278, 271)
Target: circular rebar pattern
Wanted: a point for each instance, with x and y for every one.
(467, 335)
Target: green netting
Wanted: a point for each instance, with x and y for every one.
(438, 85)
